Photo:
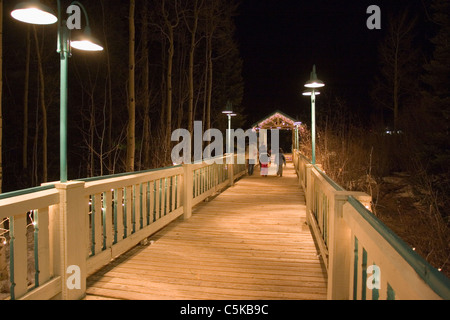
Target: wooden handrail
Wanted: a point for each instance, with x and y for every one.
(348, 234)
(86, 223)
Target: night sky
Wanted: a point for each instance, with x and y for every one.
(281, 40)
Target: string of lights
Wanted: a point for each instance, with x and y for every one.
(5, 230)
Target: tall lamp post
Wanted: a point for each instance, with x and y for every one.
(34, 12)
(313, 84)
(229, 113)
(296, 139)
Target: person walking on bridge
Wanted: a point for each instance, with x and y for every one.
(280, 160)
(264, 160)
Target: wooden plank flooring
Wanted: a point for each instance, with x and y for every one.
(250, 243)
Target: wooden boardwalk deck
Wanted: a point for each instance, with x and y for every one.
(250, 243)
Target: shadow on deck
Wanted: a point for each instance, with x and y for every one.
(250, 243)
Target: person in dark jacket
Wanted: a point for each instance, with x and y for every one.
(280, 160)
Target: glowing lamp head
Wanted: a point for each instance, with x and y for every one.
(309, 93)
(86, 42)
(229, 109)
(313, 82)
(34, 12)
(86, 45)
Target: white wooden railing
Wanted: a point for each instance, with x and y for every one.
(364, 259)
(39, 208)
(80, 226)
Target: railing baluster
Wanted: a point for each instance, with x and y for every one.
(108, 219)
(133, 209)
(104, 232)
(194, 183)
(390, 292)
(160, 197)
(355, 269)
(120, 228)
(18, 255)
(364, 275)
(170, 194)
(142, 204)
(375, 291)
(98, 227)
(129, 210)
(148, 202)
(92, 211)
(179, 191)
(115, 212)
(154, 200)
(35, 214)
(125, 213)
(158, 200)
(42, 246)
(165, 196)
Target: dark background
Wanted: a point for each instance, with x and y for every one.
(281, 40)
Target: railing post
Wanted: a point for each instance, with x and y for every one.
(308, 190)
(340, 246)
(230, 162)
(3, 265)
(72, 240)
(295, 160)
(188, 187)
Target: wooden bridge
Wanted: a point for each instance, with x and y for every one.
(207, 231)
(242, 245)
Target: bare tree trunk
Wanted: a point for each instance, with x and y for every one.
(211, 25)
(193, 32)
(146, 84)
(210, 82)
(35, 161)
(169, 91)
(396, 82)
(110, 98)
(1, 95)
(163, 83)
(131, 136)
(3, 266)
(44, 109)
(25, 103)
(91, 162)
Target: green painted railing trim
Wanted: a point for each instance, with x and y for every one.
(37, 270)
(125, 174)
(329, 180)
(115, 215)
(355, 270)
(375, 291)
(133, 209)
(93, 226)
(23, 192)
(390, 292)
(323, 174)
(364, 275)
(104, 206)
(12, 287)
(437, 281)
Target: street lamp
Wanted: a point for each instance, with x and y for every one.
(229, 113)
(313, 84)
(34, 12)
(296, 141)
